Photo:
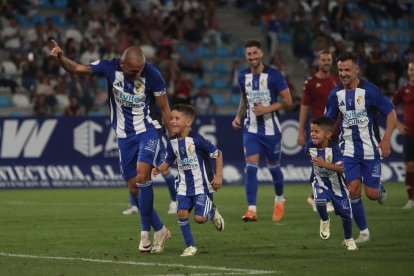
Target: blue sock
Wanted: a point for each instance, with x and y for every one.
(170, 180)
(277, 177)
(186, 232)
(347, 225)
(358, 212)
(251, 184)
(321, 208)
(149, 216)
(133, 200)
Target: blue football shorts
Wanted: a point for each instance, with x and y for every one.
(202, 204)
(142, 147)
(270, 145)
(341, 204)
(369, 171)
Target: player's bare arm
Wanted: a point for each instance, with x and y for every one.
(163, 167)
(162, 103)
(66, 63)
(384, 145)
(302, 119)
(218, 179)
(284, 103)
(240, 112)
(402, 128)
(320, 162)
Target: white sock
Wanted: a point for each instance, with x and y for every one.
(279, 199)
(145, 233)
(365, 231)
(252, 207)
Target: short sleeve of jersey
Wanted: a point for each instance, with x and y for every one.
(380, 101)
(103, 66)
(279, 80)
(156, 80)
(170, 155)
(206, 146)
(332, 105)
(241, 80)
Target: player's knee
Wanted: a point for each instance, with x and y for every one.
(132, 186)
(143, 177)
(372, 194)
(182, 214)
(199, 219)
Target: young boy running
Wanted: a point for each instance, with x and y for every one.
(328, 182)
(195, 181)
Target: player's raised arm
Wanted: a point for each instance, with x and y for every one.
(67, 64)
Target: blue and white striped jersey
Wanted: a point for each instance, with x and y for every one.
(358, 108)
(262, 88)
(193, 161)
(326, 178)
(131, 101)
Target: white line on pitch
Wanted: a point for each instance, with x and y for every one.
(230, 270)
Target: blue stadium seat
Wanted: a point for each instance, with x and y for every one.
(386, 24)
(15, 114)
(4, 101)
(96, 113)
(219, 84)
(60, 3)
(238, 52)
(221, 68)
(22, 20)
(207, 69)
(59, 20)
(235, 100)
(198, 82)
(222, 52)
(352, 6)
(204, 51)
(369, 24)
(386, 38)
(403, 39)
(219, 100)
(402, 24)
(38, 19)
(102, 83)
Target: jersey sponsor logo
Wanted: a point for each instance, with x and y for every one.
(259, 96)
(352, 117)
(129, 100)
(323, 172)
(188, 163)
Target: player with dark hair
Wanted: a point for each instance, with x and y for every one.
(264, 93)
(405, 95)
(133, 85)
(357, 102)
(328, 181)
(196, 180)
(315, 94)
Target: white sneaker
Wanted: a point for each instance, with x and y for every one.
(324, 231)
(383, 197)
(172, 209)
(145, 243)
(408, 205)
(311, 203)
(160, 238)
(131, 210)
(189, 251)
(329, 207)
(350, 244)
(218, 220)
(363, 238)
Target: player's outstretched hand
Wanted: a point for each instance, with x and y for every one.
(236, 123)
(55, 51)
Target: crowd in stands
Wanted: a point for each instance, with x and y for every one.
(174, 34)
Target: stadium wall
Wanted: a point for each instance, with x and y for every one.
(82, 152)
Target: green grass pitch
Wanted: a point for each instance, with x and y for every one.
(82, 232)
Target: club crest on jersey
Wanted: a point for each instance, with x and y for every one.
(407, 91)
(360, 100)
(318, 85)
(139, 86)
(329, 158)
(191, 148)
(262, 83)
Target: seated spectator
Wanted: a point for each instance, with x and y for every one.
(189, 59)
(375, 70)
(73, 109)
(203, 102)
(41, 107)
(183, 87)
